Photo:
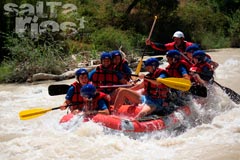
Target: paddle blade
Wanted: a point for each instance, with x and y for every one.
(235, 97)
(57, 89)
(32, 113)
(181, 84)
(139, 66)
(199, 90)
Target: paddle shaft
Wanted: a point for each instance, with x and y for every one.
(139, 66)
(55, 108)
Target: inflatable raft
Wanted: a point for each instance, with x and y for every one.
(124, 120)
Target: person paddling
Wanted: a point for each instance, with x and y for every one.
(94, 102)
(154, 94)
(73, 98)
(189, 51)
(201, 71)
(121, 64)
(105, 75)
(178, 43)
(177, 67)
(208, 59)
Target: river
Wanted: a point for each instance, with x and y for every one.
(213, 135)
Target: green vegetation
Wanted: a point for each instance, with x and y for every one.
(28, 57)
(109, 25)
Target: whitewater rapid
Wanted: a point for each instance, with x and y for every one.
(212, 133)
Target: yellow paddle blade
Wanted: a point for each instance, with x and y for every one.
(176, 83)
(32, 113)
(139, 66)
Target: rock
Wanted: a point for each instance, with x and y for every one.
(45, 76)
(64, 76)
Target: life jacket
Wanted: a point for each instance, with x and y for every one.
(172, 69)
(103, 77)
(182, 48)
(119, 68)
(171, 46)
(156, 91)
(94, 103)
(198, 68)
(77, 99)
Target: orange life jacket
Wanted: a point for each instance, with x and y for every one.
(156, 91)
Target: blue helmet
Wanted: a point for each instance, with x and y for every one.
(192, 48)
(88, 91)
(173, 54)
(81, 71)
(115, 53)
(105, 55)
(199, 54)
(152, 62)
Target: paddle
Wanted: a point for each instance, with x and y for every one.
(139, 66)
(34, 113)
(58, 89)
(235, 97)
(181, 84)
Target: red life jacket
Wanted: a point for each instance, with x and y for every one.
(171, 46)
(172, 69)
(198, 68)
(182, 48)
(96, 99)
(156, 91)
(103, 77)
(119, 68)
(77, 98)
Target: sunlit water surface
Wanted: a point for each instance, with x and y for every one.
(212, 133)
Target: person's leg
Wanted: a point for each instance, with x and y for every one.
(150, 105)
(124, 94)
(146, 110)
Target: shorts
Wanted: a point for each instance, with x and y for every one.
(153, 103)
